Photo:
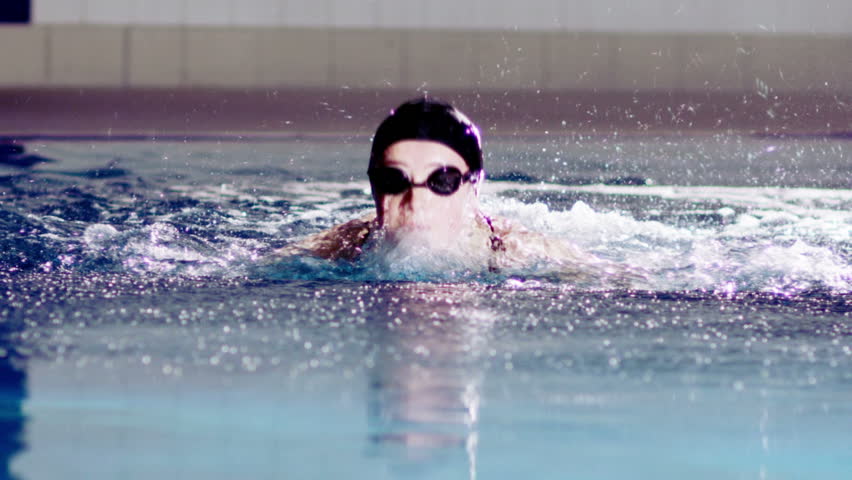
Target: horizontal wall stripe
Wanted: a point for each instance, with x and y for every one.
(660, 16)
(251, 57)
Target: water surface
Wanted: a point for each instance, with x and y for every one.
(140, 340)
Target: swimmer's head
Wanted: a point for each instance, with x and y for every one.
(425, 168)
(425, 119)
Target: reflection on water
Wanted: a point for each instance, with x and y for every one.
(144, 339)
(405, 380)
(13, 392)
(426, 378)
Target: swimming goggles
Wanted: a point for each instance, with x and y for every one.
(443, 181)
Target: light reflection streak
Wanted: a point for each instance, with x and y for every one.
(425, 390)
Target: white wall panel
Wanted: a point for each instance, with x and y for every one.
(346, 13)
(113, 12)
(308, 13)
(710, 13)
(537, 15)
(58, 11)
(750, 17)
(659, 15)
(486, 12)
(836, 16)
(401, 14)
(258, 12)
(158, 12)
(632, 14)
(694, 16)
(571, 18)
(453, 14)
(785, 15)
(209, 12)
(754, 16)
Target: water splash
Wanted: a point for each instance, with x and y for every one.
(782, 241)
(171, 220)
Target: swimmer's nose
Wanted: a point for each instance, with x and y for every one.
(415, 201)
(417, 198)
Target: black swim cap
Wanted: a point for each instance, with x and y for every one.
(425, 119)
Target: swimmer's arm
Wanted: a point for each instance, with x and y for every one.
(339, 242)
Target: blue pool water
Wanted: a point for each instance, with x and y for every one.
(144, 334)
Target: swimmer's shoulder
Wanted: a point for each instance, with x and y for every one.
(567, 260)
(519, 239)
(342, 241)
(523, 248)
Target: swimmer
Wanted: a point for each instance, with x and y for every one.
(426, 171)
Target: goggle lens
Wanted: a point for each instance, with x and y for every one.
(443, 181)
(389, 180)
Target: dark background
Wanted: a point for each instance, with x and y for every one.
(14, 11)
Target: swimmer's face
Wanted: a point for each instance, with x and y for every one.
(419, 209)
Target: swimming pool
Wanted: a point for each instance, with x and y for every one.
(141, 339)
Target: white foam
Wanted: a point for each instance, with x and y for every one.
(767, 239)
(783, 243)
(412, 255)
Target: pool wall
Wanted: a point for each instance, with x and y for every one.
(182, 56)
(292, 67)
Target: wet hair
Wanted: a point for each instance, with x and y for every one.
(426, 119)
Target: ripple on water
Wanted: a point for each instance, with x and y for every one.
(173, 221)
